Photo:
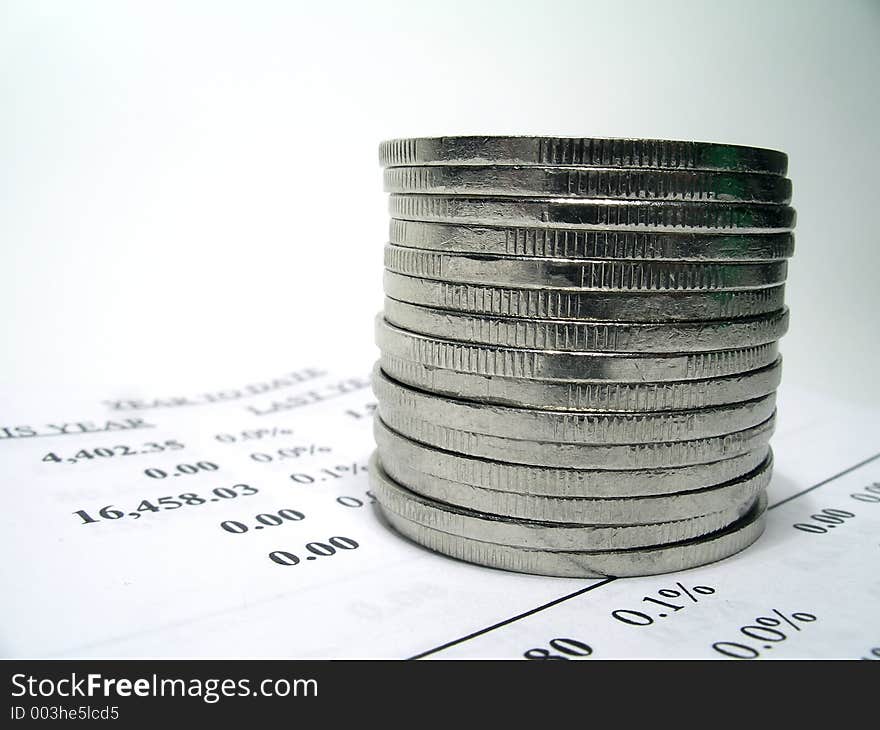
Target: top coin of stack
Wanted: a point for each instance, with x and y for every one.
(579, 349)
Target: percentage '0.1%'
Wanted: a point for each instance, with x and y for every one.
(640, 618)
(316, 550)
(333, 472)
(766, 631)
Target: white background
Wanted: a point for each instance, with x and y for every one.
(191, 194)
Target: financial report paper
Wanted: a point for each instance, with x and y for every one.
(240, 523)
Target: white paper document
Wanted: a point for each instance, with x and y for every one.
(240, 523)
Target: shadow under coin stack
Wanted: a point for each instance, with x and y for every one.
(579, 349)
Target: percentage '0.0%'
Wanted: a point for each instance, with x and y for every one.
(766, 631)
(254, 434)
(289, 452)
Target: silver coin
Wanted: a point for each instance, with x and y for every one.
(647, 510)
(656, 455)
(578, 336)
(574, 396)
(580, 182)
(396, 454)
(629, 306)
(525, 364)
(600, 274)
(522, 490)
(573, 427)
(600, 214)
(580, 151)
(583, 564)
(571, 243)
(541, 535)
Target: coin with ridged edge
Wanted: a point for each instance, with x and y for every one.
(580, 151)
(600, 214)
(586, 564)
(571, 427)
(579, 182)
(544, 365)
(653, 455)
(601, 274)
(580, 336)
(583, 305)
(574, 396)
(580, 456)
(558, 482)
(579, 349)
(571, 243)
(542, 535)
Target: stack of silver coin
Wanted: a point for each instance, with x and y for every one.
(579, 349)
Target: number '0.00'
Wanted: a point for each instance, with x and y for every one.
(182, 469)
(265, 520)
(282, 557)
